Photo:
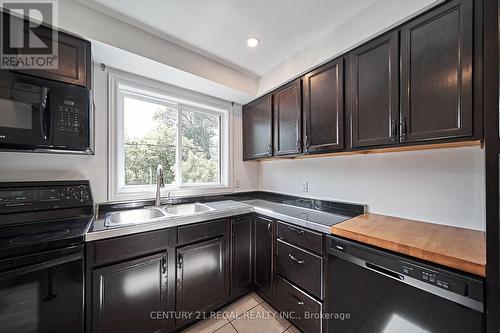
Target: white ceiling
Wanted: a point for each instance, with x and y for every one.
(219, 28)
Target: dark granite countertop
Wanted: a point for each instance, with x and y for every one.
(314, 214)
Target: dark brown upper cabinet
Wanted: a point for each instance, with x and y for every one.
(437, 53)
(373, 92)
(413, 85)
(287, 115)
(323, 94)
(258, 128)
(73, 57)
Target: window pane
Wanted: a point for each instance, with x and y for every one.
(150, 131)
(200, 147)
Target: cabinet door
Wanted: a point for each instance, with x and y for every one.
(200, 277)
(73, 57)
(263, 254)
(437, 75)
(287, 118)
(374, 92)
(324, 108)
(125, 295)
(241, 255)
(257, 129)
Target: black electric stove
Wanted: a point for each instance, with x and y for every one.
(39, 216)
(42, 228)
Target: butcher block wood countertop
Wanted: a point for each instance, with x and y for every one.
(458, 248)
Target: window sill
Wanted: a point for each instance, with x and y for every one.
(147, 192)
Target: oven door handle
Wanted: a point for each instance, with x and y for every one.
(40, 265)
(44, 126)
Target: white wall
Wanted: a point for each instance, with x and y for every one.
(380, 16)
(29, 166)
(444, 186)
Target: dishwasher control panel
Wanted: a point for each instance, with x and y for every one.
(434, 278)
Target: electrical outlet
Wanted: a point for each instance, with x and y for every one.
(237, 183)
(305, 186)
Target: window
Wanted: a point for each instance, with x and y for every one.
(150, 139)
(189, 139)
(200, 146)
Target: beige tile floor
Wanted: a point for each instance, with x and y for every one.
(249, 314)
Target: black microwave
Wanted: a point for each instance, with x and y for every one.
(43, 115)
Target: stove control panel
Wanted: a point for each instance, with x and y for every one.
(18, 197)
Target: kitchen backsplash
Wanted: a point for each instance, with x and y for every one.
(444, 186)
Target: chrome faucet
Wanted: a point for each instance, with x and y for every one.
(160, 182)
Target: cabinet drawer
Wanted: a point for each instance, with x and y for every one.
(199, 231)
(301, 267)
(309, 239)
(290, 299)
(115, 249)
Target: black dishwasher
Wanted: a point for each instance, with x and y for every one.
(373, 291)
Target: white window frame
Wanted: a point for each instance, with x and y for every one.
(122, 84)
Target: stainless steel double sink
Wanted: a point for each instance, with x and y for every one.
(153, 214)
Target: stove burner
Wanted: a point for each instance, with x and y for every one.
(38, 237)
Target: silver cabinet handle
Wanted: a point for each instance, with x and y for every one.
(298, 300)
(299, 231)
(307, 141)
(298, 261)
(164, 264)
(394, 129)
(179, 261)
(404, 128)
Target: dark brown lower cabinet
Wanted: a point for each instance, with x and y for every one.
(127, 295)
(301, 309)
(301, 267)
(195, 269)
(200, 278)
(263, 252)
(241, 255)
